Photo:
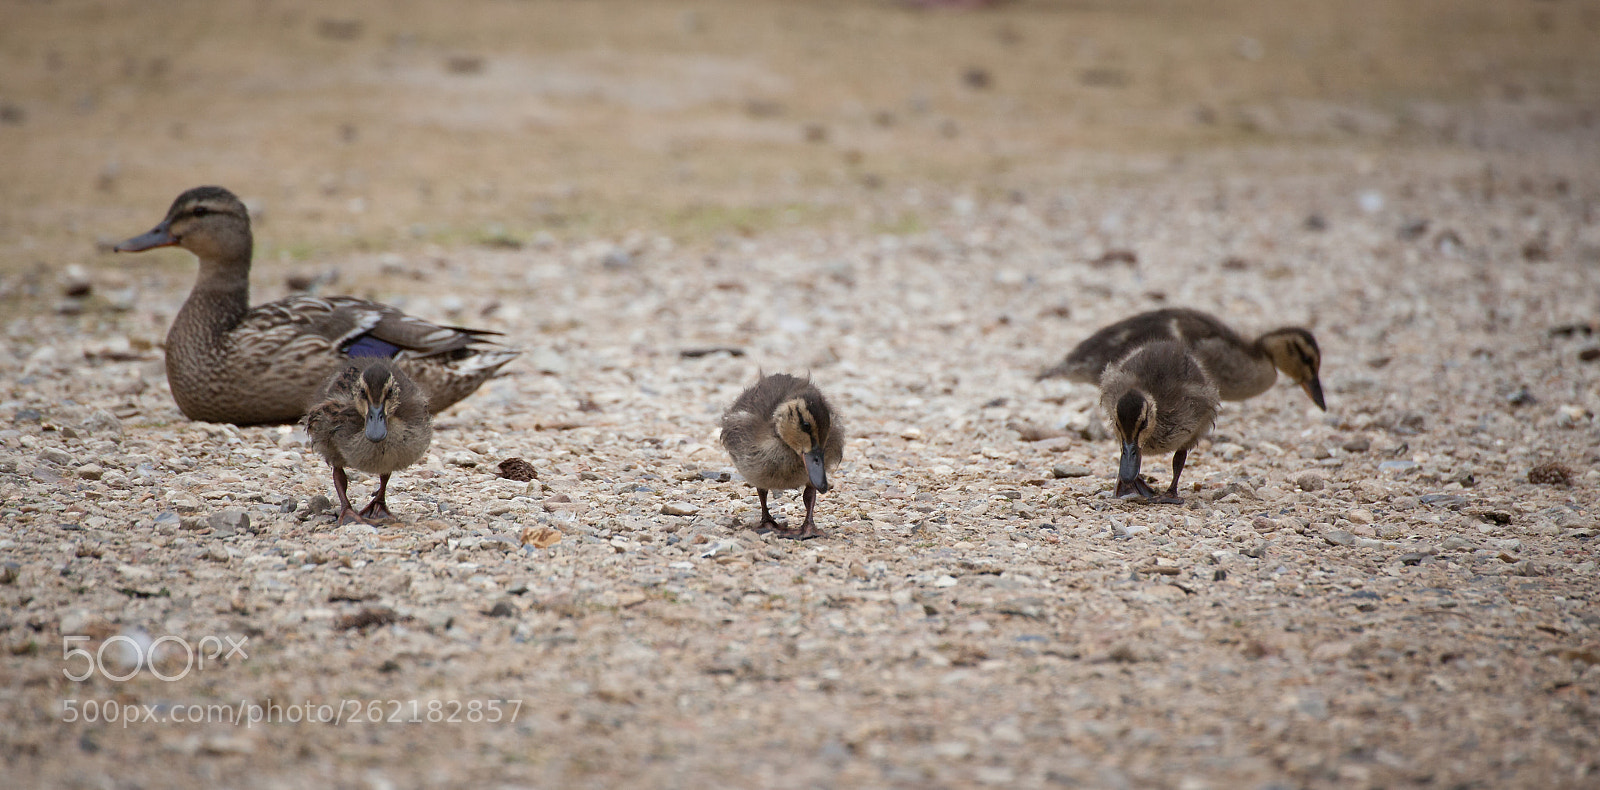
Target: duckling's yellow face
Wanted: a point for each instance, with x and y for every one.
(797, 427)
(1295, 352)
(805, 430)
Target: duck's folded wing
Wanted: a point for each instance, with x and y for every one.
(357, 327)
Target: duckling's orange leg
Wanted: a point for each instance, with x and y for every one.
(1171, 497)
(378, 508)
(347, 514)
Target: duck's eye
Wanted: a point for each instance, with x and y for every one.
(199, 211)
(805, 426)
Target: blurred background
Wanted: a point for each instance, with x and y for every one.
(380, 126)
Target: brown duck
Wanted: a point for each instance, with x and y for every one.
(1240, 369)
(782, 434)
(1157, 400)
(369, 416)
(230, 362)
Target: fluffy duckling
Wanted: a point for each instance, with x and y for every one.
(230, 362)
(1240, 369)
(371, 417)
(782, 434)
(1156, 400)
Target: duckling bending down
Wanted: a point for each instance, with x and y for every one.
(229, 362)
(371, 417)
(782, 434)
(1157, 400)
(1240, 369)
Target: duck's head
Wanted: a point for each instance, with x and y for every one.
(377, 395)
(1132, 420)
(1294, 351)
(803, 424)
(208, 221)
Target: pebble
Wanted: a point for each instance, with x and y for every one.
(57, 456)
(91, 471)
(229, 522)
(1456, 543)
(461, 458)
(1229, 451)
(1397, 467)
(217, 553)
(103, 423)
(1339, 537)
(679, 509)
(1310, 481)
(319, 504)
(1064, 471)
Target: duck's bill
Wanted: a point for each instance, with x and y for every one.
(1128, 471)
(160, 237)
(816, 471)
(377, 424)
(1313, 388)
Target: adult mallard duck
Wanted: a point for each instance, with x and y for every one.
(1156, 400)
(1240, 369)
(369, 416)
(782, 434)
(229, 362)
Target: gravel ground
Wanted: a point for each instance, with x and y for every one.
(1400, 591)
(1374, 596)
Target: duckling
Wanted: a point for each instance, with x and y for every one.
(1157, 400)
(1240, 369)
(229, 362)
(782, 433)
(371, 417)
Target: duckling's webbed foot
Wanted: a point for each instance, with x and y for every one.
(1136, 487)
(768, 523)
(1171, 497)
(376, 511)
(808, 529)
(347, 514)
(378, 508)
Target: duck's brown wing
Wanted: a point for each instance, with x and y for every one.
(358, 327)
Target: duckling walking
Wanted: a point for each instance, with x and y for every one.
(229, 362)
(1240, 369)
(371, 417)
(782, 434)
(1157, 400)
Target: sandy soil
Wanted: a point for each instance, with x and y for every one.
(922, 208)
